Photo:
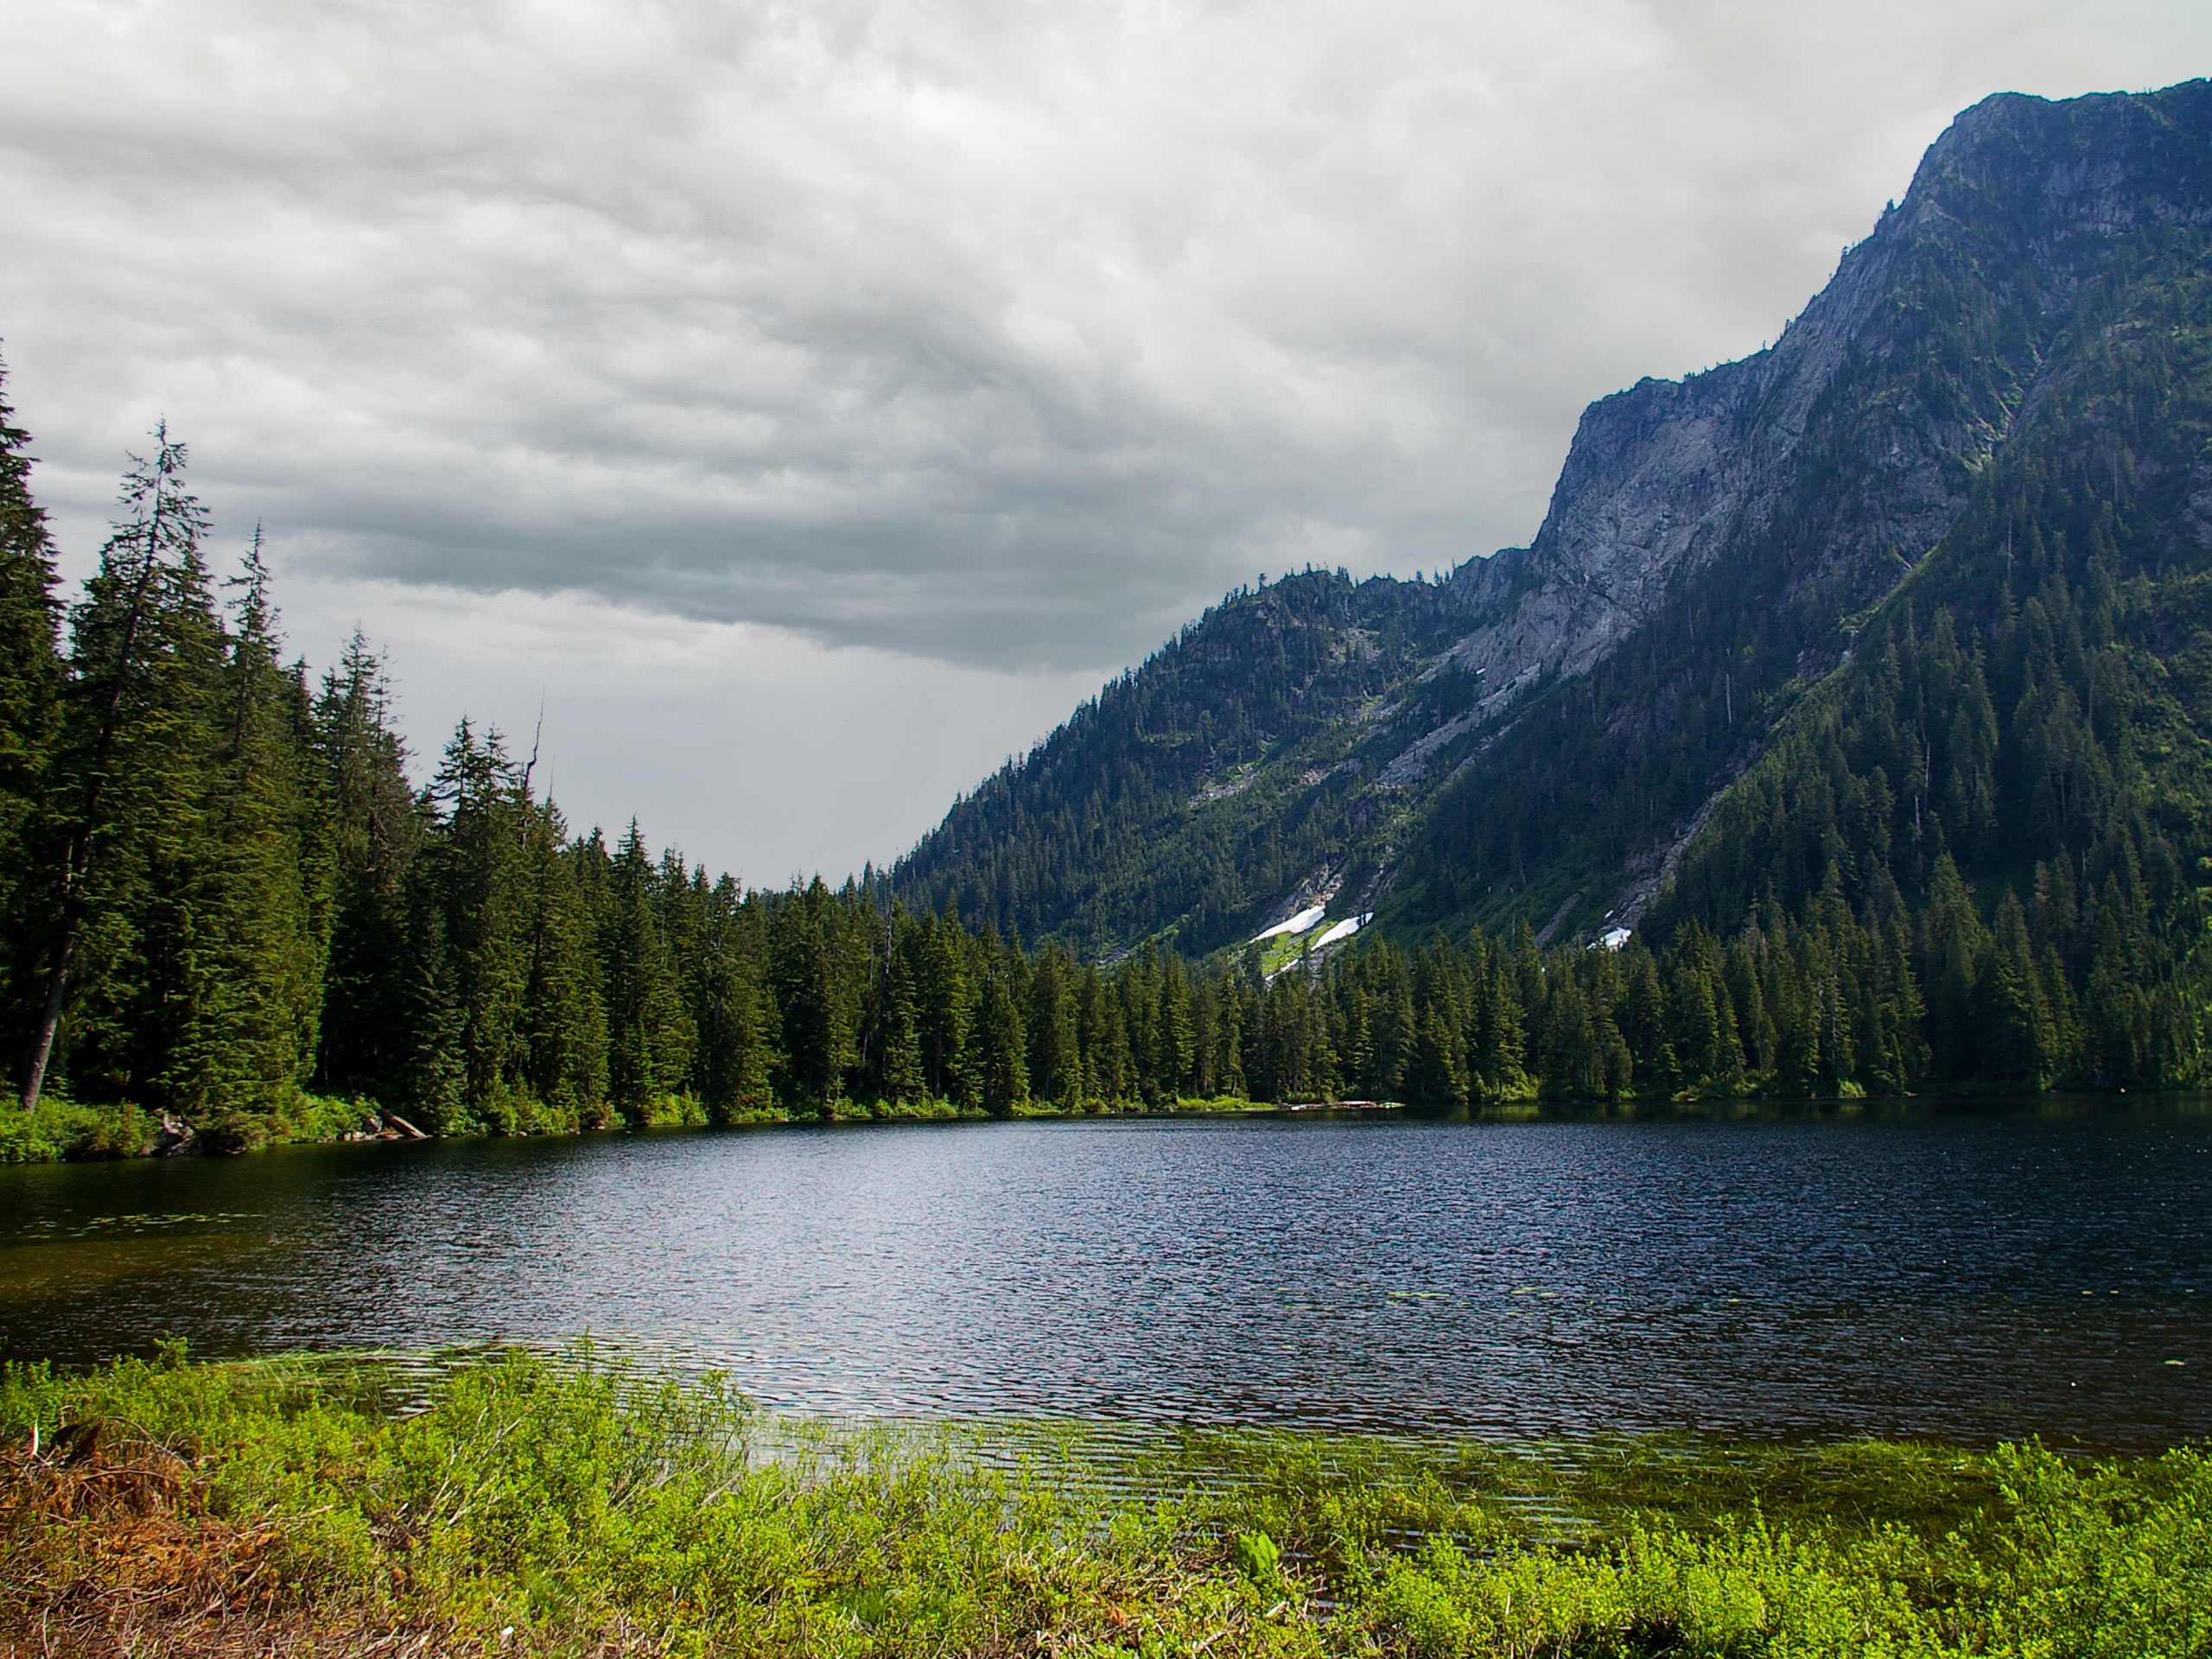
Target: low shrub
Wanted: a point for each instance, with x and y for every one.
(571, 1505)
(57, 1128)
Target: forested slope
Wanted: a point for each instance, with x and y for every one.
(1710, 548)
(2028, 219)
(2020, 752)
(1230, 775)
(1872, 677)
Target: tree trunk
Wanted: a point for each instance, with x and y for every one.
(57, 984)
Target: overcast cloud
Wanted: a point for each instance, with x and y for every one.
(806, 403)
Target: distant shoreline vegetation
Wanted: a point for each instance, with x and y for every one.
(228, 914)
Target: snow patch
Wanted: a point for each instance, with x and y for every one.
(1343, 930)
(1298, 924)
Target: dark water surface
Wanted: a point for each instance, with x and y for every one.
(1966, 1275)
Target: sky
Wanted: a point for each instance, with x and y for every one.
(787, 412)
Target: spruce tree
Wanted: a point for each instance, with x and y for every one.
(259, 890)
(564, 1024)
(1054, 1040)
(734, 1064)
(374, 826)
(900, 1064)
(471, 925)
(129, 789)
(30, 691)
(945, 1010)
(649, 1034)
(816, 1006)
(1000, 1044)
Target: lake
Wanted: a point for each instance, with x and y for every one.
(1967, 1275)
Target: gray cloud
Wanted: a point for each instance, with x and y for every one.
(997, 335)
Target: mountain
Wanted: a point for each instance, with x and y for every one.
(1859, 694)
(1556, 732)
(1236, 774)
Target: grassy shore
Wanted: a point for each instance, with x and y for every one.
(573, 1505)
(60, 1130)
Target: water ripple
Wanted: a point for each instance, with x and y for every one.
(1960, 1275)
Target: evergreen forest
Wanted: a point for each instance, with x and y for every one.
(1972, 857)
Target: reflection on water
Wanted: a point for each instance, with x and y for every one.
(1961, 1274)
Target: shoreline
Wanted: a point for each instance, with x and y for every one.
(572, 1503)
(62, 1131)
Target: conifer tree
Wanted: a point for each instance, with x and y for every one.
(1000, 1044)
(259, 890)
(1173, 1033)
(129, 785)
(1955, 947)
(649, 1034)
(815, 1004)
(30, 691)
(734, 1062)
(471, 915)
(1105, 1045)
(374, 826)
(900, 1064)
(1054, 1040)
(1496, 1065)
(944, 1001)
(564, 1025)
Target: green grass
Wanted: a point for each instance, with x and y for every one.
(569, 1504)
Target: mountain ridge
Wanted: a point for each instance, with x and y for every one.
(1780, 498)
(1859, 695)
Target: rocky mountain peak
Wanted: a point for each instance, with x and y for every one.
(2012, 214)
(1542, 736)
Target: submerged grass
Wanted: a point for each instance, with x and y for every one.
(575, 1504)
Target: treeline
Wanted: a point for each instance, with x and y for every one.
(223, 898)
(1970, 860)
(1823, 1002)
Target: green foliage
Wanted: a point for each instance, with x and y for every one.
(558, 1503)
(57, 1128)
(31, 689)
(1957, 820)
(1258, 1557)
(2010, 777)
(309, 1117)
(1191, 793)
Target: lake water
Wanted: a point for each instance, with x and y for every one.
(1965, 1274)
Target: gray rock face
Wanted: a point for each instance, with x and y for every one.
(1731, 524)
(1835, 439)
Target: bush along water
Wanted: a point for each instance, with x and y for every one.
(570, 1504)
